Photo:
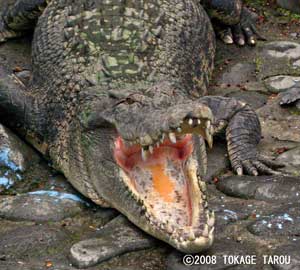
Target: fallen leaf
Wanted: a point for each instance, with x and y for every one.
(48, 264)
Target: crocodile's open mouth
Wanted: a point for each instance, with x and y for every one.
(166, 182)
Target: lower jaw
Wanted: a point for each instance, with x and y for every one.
(195, 238)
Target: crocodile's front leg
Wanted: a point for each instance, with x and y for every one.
(233, 22)
(20, 17)
(243, 133)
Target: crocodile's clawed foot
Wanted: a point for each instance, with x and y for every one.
(244, 32)
(256, 165)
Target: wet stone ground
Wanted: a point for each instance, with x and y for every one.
(46, 224)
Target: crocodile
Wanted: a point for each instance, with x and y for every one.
(117, 101)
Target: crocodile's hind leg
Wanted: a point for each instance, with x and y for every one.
(18, 18)
(233, 22)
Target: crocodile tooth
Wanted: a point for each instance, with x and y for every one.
(157, 144)
(211, 219)
(151, 149)
(191, 236)
(239, 171)
(198, 121)
(190, 121)
(172, 137)
(162, 138)
(207, 215)
(208, 124)
(205, 231)
(210, 234)
(208, 135)
(144, 154)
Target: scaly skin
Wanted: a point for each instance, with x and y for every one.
(112, 81)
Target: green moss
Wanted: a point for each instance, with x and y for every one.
(289, 14)
(258, 64)
(270, 10)
(294, 110)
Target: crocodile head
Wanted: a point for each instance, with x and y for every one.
(147, 161)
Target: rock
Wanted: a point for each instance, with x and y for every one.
(281, 83)
(266, 188)
(284, 222)
(218, 251)
(292, 5)
(290, 252)
(41, 206)
(31, 243)
(239, 74)
(254, 99)
(294, 35)
(277, 58)
(291, 159)
(14, 153)
(230, 210)
(117, 237)
(227, 209)
(277, 122)
(296, 64)
(15, 158)
(217, 161)
(17, 266)
(280, 49)
(148, 259)
(256, 86)
(287, 130)
(291, 96)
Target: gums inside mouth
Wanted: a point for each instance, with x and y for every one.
(129, 157)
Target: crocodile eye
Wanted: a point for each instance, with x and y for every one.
(93, 121)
